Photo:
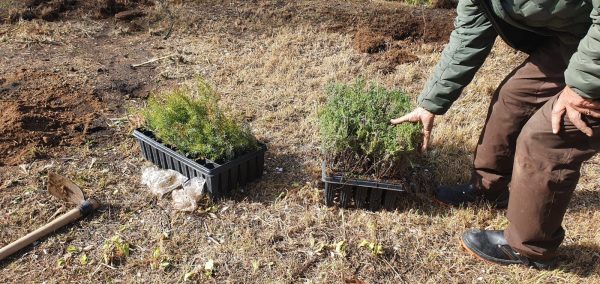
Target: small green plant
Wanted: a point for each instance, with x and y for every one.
(374, 247)
(115, 251)
(159, 260)
(357, 137)
(192, 122)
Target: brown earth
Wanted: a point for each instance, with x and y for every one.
(445, 4)
(387, 61)
(53, 10)
(42, 111)
(56, 101)
(367, 41)
(388, 29)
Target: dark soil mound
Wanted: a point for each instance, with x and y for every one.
(367, 41)
(52, 10)
(445, 4)
(392, 58)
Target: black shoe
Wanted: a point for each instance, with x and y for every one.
(461, 195)
(492, 246)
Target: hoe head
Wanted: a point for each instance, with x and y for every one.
(64, 189)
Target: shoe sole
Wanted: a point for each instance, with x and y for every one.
(532, 265)
(474, 254)
(536, 266)
(447, 205)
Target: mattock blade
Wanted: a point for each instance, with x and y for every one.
(64, 189)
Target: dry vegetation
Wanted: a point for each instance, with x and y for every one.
(271, 71)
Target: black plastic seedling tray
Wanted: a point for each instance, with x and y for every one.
(221, 179)
(361, 193)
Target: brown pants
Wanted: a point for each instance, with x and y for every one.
(517, 148)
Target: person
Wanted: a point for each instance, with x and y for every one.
(542, 124)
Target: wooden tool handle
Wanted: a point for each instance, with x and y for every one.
(84, 209)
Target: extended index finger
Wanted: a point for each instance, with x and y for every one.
(402, 119)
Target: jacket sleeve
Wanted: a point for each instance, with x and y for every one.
(583, 73)
(470, 43)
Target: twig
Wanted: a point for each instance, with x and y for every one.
(165, 6)
(424, 22)
(168, 33)
(95, 271)
(344, 226)
(393, 268)
(212, 240)
(304, 267)
(111, 267)
(151, 61)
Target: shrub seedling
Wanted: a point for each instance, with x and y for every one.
(357, 137)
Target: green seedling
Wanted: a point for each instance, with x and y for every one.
(159, 260)
(357, 136)
(374, 247)
(192, 122)
(115, 251)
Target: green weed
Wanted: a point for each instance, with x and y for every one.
(115, 251)
(193, 123)
(357, 137)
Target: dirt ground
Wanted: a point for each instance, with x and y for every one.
(69, 93)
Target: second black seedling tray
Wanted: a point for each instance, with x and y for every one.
(221, 179)
(360, 193)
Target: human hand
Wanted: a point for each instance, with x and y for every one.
(573, 105)
(419, 115)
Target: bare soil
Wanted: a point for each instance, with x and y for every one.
(389, 31)
(367, 41)
(388, 61)
(54, 10)
(34, 116)
(52, 101)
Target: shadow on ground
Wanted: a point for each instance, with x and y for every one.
(287, 173)
(580, 259)
(585, 200)
(282, 173)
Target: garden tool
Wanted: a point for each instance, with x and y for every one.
(63, 189)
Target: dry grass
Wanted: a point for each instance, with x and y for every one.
(277, 230)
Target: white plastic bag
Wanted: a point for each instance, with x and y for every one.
(186, 199)
(162, 181)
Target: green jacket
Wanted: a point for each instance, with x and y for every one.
(522, 24)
